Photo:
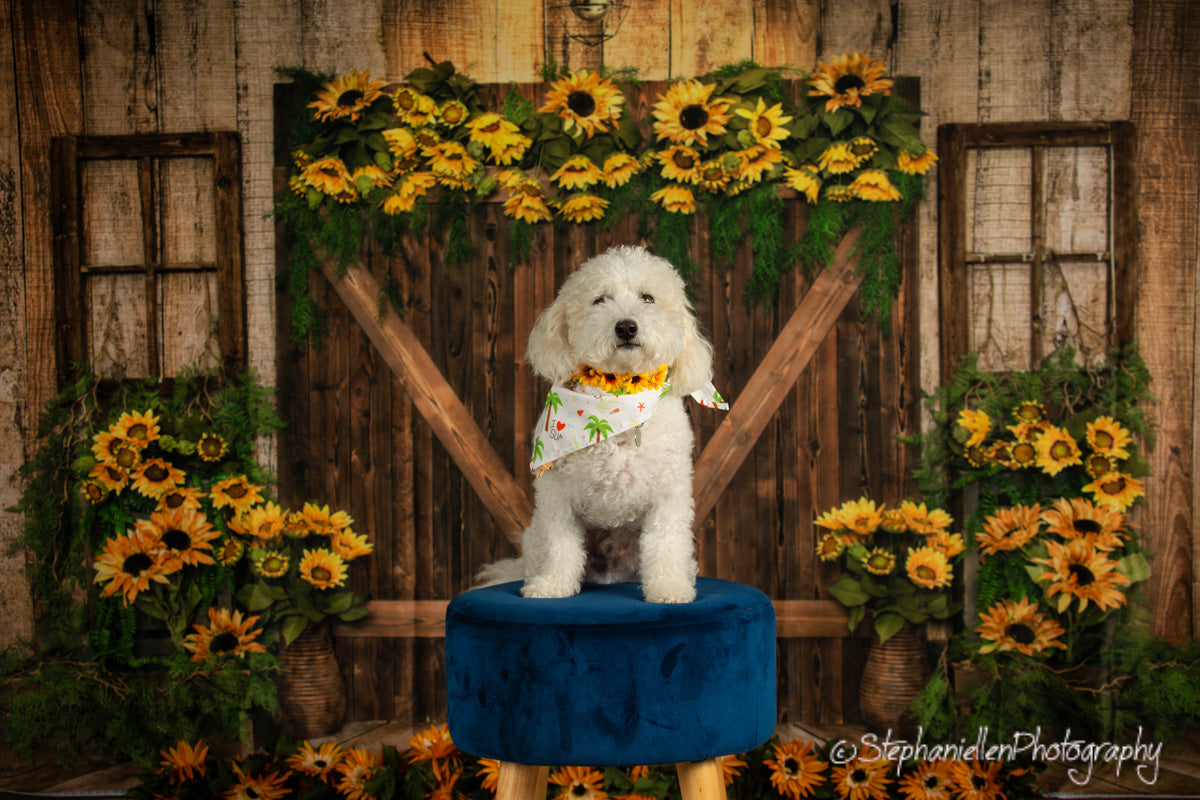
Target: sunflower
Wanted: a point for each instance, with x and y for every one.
(1077, 570)
(680, 163)
(731, 767)
(139, 428)
(105, 445)
(951, 544)
(1100, 525)
(925, 521)
(184, 761)
(210, 447)
(270, 563)
(357, 767)
(1097, 464)
(1116, 490)
(1022, 455)
(1056, 450)
(227, 633)
(128, 563)
(756, 161)
(838, 159)
(1107, 436)
(110, 476)
(915, 165)
(676, 198)
(370, 177)
(879, 561)
(431, 744)
(229, 551)
(977, 781)
(579, 783)
(847, 79)
(185, 533)
(686, 114)
(93, 490)
(452, 113)
(317, 763)
(265, 522)
(405, 99)
(577, 172)
(423, 111)
(863, 147)
(634, 382)
(830, 546)
(235, 492)
(873, 186)
(156, 477)
(268, 786)
(451, 160)
(493, 131)
(839, 193)
(928, 567)
(328, 176)
(861, 780)
(413, 186)
(804, 179)
(1009, 529)
(513, 151)
(619, 168)
(1018, 625)
(582, 208)
(766, 125)
(528, 205)
(893, 521)
(347, 96)
(795, 769)
(860, 517)
(489, 774)
(976, 423)
(585, 101)
(929, 780)
(400, 142)
(1029, 412)
(713, 176)
(323, 569)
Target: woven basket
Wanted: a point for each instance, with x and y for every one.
(312, 696)
(895, 672)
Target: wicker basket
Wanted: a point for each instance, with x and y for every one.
(895, 672)
(312, 696)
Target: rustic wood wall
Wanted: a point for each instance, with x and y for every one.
(123, 66)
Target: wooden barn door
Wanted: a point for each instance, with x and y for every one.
(816, 427)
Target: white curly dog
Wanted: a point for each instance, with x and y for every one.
(613, 449)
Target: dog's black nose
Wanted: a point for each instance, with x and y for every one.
(626, 330)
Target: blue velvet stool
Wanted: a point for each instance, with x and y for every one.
(606, 679)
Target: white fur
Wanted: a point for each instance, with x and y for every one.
(586, 506)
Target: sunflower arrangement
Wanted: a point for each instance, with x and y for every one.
(430, 767)
(898, 563)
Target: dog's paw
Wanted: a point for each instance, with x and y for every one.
(545, 588)
(669, 592)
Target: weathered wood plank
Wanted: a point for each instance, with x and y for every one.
(760, 398)
(785, 33)
(705, 36)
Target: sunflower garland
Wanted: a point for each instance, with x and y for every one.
(390, 149)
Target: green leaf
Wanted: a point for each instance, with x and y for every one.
(292, 627)
(848, 591)
(888, 625)
(1135, 567)
(856, 616)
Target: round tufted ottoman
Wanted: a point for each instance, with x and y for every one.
(605, 678)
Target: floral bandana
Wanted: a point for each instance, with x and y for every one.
(592, 406)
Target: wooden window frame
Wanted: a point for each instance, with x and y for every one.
(954, 140)
(68, 153)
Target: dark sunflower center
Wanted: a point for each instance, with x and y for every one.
(1114, 486)
(791, 766)
(236, 491)
(579, 790)
(1086, 526)
(138, 431)
(454, 114)
(1060, 449)
(348, 98)
(858, 777)
(1104, 440)
(931, 781)
(925, 573)
(684, 160)
(1083, 575)
(978, 783)
(405, 101)
(156, 473)
(693, 117)
(491, 128)
(763, 126)
(177, 539)
(173, 500)
(211, 446)
(320, 763)
(126, 457)
(581, 103)
(223, 642)
(1021, 633)
(848, 82)
(1023, 452)
(321, 574)
(135, 564)
(862, 148)
(713, 173)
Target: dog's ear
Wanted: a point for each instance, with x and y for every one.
(693, 368)
(549, 348)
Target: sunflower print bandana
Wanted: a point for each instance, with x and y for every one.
(594, 406)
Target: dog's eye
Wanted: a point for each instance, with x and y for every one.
(600, 300)
(646, 298)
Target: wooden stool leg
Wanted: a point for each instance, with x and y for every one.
(701, 780)
(521, 782)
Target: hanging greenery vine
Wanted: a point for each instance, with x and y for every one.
(372, 156)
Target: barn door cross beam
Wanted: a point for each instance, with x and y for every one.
(468, 446)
